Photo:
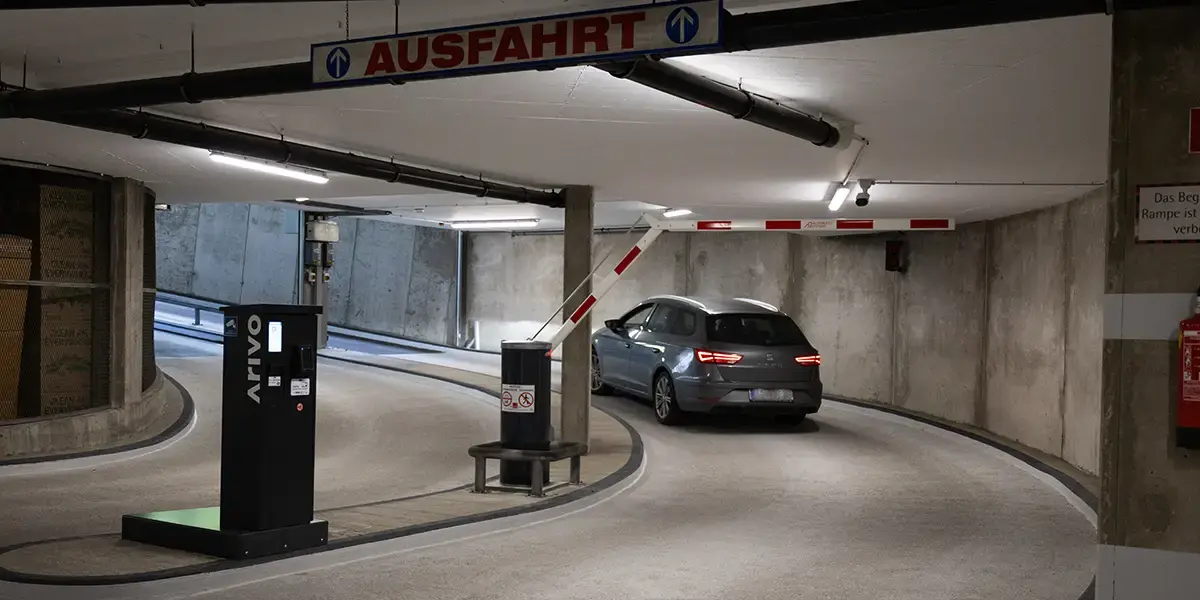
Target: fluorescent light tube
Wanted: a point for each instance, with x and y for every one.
(676, 212)
(839, 197)
(502, 224)
(262, 167)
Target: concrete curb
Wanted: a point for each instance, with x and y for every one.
(166, 435)
(631, 467)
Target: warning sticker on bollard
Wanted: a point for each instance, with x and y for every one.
(517, 398)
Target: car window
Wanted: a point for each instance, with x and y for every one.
(684, 322)
(673, 320)
(755, 330)
(636, 318)
(660, 321)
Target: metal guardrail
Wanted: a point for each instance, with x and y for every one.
(198, 306)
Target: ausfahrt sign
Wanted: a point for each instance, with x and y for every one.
(661, 29)
(1168, 213)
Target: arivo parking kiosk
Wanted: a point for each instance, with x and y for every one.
(268, 427)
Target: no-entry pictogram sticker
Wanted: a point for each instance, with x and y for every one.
(517, 398)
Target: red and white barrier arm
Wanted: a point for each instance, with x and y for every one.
(811, 225)
(601, 285)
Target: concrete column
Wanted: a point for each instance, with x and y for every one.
(1150, 490)
(128, 255)
(577, 349)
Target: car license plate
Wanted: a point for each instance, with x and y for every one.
(770, 395)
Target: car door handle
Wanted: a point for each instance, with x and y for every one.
(627, 345)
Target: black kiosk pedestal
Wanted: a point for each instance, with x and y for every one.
(268, 428)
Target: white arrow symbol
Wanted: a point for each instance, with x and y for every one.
(339, 59)
(683, 19)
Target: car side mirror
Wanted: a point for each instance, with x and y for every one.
(612, 324)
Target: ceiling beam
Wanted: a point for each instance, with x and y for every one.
(857, 19)
(171, 130)
(55, 4)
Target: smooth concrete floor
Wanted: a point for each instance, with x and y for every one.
(853, 505)
(381, 435)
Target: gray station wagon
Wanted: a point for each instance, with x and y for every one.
(705, 356)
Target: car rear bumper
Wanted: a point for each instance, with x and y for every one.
(735, 397)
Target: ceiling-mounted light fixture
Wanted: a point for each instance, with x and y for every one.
(301, 199)
(308, 175)
(839, 196)
(671, 213)
(500, 224)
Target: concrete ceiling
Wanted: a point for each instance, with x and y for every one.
(1016, 104)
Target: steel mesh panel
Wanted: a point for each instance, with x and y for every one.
(55, 311)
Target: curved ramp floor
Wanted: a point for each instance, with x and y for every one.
(855, 506)
(380, 435)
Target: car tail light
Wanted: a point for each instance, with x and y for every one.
(720, 358)
(809, 361)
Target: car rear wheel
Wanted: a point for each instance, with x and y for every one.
(598, 385)
(666, 408)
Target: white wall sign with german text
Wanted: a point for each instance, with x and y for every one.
(1168, 213)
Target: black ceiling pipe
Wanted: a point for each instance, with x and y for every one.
(217, 139)
(864, 19)
(857, 19)
(724, 98)
(51, 4)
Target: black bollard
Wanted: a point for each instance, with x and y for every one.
(524, 406)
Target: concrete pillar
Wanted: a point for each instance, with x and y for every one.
(577, 349)
(1150, 490)
(128, 255)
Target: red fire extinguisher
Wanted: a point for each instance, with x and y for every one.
(1187, 432)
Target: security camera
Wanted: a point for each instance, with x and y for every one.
(864, 195)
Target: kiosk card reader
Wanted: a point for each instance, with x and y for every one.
(268, 429)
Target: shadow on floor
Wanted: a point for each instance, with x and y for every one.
(713, 424)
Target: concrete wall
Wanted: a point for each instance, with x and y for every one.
(387, 277)
(237, 253)
(996, 325)
(514, 281)
(396, 279)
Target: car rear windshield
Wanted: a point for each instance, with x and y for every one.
(755, 330)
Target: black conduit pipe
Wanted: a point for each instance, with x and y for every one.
(199, 135)
(858, 19)
(864, 19)
(739, 104)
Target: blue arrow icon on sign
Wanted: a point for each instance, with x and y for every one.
(337, 64)
(683, 24)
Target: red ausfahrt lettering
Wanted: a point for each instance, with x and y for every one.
(628, 22)
(511, 45)
(381, 60)
(448, 50)
(541, 38)
(412, 64)
(590, 30)
(478, 41)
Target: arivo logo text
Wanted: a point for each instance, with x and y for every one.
(253, 328)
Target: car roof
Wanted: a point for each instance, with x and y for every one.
(718, 305)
